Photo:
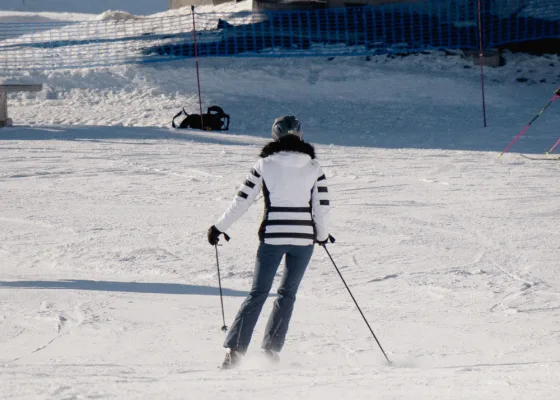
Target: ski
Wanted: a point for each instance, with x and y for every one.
(541, 158)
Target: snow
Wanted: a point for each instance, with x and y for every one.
(108, 288)
(110, 38)
(90, 7)
(13, 11)
(541, 9)
(42, 17)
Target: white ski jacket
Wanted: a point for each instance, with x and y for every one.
(295, 194)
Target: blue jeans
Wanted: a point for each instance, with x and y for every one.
(268, 259)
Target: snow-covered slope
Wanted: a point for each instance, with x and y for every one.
(108, 288)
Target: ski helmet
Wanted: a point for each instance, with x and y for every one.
(287, 125)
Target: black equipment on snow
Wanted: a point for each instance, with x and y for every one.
(215, 119)
(355, 302)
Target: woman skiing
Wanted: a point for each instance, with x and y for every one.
(295, 217)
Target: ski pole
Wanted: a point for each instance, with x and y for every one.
(224, 326)
(553, 147)
(556, 96)
(356, 303)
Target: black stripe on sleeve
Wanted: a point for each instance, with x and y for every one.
(289, 235)
(288, 222)
(321, 178)
(324, 202)
(245, 195)
(289, 209)
(249, 183)
(322, 189)
(254, 172)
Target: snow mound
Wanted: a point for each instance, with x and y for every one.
(111, 15)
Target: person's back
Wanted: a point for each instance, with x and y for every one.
(295, 217)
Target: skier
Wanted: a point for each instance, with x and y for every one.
(295, 217)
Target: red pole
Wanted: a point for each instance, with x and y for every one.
(481, 60)
(556, 96)
(197, 69)
(553, 147)
(558, 142)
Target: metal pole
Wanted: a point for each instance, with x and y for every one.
(197, 69)
(481, 60)
(224, 326)
(356, 303)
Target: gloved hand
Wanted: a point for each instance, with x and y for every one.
(324, 242)
(214, 235)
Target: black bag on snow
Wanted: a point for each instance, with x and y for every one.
(215, 119)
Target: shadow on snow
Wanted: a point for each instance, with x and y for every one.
(122, 135)
(535, 142)
(125, 287)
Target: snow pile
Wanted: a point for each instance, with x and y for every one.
(230, 7)
(7, 17)
(144, 7)
(35, 11)
(115, 16)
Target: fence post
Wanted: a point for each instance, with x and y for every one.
(481, 60)
(197, 69)
(3, 108)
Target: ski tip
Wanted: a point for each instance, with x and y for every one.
(540, 158)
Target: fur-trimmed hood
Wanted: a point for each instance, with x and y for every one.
(288, 143)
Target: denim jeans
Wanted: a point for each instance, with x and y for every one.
(267, 262)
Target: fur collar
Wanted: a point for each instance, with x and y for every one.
(288, 143)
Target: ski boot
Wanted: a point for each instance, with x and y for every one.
(271, 355)
(232, 359)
